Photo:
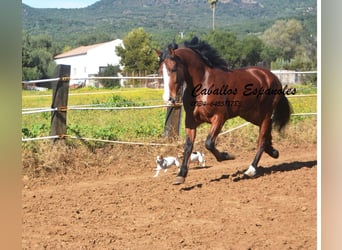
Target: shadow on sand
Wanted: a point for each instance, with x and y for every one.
(261, 171)
(284, 167)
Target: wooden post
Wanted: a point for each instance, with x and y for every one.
(174, 117)
(172, 122)
(60, 94)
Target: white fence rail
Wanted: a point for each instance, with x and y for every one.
(285, 76)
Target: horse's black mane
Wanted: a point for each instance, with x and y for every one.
(204, 50)
(207, 53)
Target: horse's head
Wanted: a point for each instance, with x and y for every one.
(173, 71)
(187, 64)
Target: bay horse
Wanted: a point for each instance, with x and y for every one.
(212, 93)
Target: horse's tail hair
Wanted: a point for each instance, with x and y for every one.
(282, 113)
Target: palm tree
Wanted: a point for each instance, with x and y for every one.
(213, 6)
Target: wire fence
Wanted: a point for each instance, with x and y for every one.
(92, 108)
(140, 143)
(285, 76)
(28, 111)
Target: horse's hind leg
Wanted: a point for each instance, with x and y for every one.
(211, 139)
(268, 143)
(264, 144)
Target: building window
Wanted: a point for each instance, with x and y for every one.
(102, 69)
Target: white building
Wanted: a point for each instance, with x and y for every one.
(86, 61)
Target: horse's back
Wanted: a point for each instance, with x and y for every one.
(262, 75)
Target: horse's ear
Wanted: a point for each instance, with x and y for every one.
(171, 51)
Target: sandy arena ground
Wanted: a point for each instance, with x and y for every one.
(119, 205)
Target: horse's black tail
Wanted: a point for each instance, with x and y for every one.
(282, 113)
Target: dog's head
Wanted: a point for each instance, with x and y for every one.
(160, 159)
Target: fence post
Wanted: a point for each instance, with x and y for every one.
(60, 94)
(172, 122)
(173, 117)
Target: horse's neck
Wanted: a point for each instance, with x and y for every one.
(197, 74)
(204, 77)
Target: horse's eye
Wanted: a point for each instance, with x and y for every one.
(174, 69)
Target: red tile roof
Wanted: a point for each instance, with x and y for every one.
(78, 51)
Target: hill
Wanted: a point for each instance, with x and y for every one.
(164, 18)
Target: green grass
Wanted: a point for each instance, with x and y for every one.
(132, 125)
(108, 124)
(34, 99)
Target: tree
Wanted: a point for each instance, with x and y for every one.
(290, 44)
(29, 71)
(227, 45)
(93, 38)
(37, 57)
(110, 70)
(42, 59)
(213, 8)
(251, 51)
(283, 38)
(138, 53)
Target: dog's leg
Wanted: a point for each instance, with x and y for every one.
(158, 168)
(177, 165)
(201, 160)
(157, 173)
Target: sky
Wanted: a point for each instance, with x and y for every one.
(59, 3)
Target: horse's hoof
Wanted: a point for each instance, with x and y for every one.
(225, 156)
(275, 153)
(272, 152)
(179, 180)
(250, 172)
(231, 157)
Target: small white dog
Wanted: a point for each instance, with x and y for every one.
(198, 156)
(165, 163)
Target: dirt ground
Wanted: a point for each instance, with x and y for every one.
(119, 205)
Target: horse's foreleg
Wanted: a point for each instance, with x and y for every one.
(211, 139)
(189, 144)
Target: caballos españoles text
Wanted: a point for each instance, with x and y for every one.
(249, 90)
